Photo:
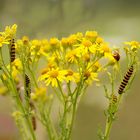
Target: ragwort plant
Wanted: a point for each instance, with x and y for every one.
(38, 71)
(115, 94)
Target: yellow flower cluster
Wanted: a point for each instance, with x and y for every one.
(66, 66)
(8, 34)
(132, 46)
(73, 58)
(39, 94)
(69, 59)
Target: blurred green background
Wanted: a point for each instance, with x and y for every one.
(115, 20)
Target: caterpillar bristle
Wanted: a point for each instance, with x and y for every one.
(125, 80)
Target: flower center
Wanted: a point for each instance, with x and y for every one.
(54, 74)
(87, 74)
(69, 73)
(87, 43)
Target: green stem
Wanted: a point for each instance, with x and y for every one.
(108, 129)
(109, 120)
(46, 121)
(20, 106)
(72, 120)
(74, 109)
(33, 77)
(51, 127)
(16, 95)
(47, 125)
(64, 122)
(57, 94)
(60, 88)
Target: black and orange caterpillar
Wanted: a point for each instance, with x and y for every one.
(33, 119)
(27, 83)
(34, 122)
(28, 92)
(12, 50)
(114, 99)
(125, 80)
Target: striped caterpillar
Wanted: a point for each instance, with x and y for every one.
(114, 99)
(33, 119)
(27, 83)
(125, 80)
(33, 122)
(28, 92)
(12, 50)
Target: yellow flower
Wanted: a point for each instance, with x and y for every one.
(39, 94)
(99, 40)
(3, 41)
(9, 32)
(17, 64)
(72, 40)
(79, 36)
(4, 77)
(53, 76)
(45, 45)
(50, 66)
(54, 58)
(86, 43)
(90, 76)
(73, 55)
(16, 114)
(37, 49)
(102, 48)
(15, 74)
(64, 42)
(3, 90)
(44, 71)
(134, 45)
(86, 57)
(25, 40)
(96, 67)
(54, 43)
(86, 46)
(94, 48)
(91, 35)
(36, 45)
(105, 48)
(111, 59)
(72, 76)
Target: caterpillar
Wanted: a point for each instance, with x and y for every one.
(33, 119)
(27, 83)
(116, 55)
(114, 99)
(18, 87)
(33, 122)
(12, 50)
(125, 79)
(28, 91)
(112, 104)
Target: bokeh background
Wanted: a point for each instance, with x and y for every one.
(115, 20)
